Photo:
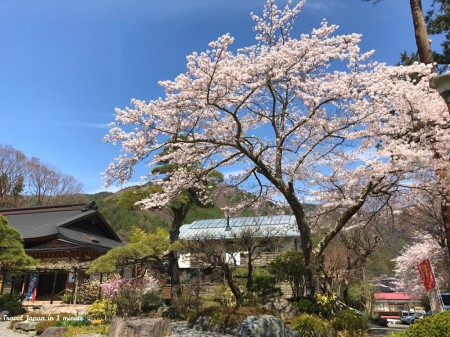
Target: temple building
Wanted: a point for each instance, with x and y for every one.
(64, 239)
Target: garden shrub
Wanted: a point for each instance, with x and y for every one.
(88, 291)
(305, 305)
(350, 322)
(264, 285)
(129, 294)
(91, 329)
(437, 325)
(326, 305)
(151, 300)
(102, 309)
(12, 303)
(312, 326)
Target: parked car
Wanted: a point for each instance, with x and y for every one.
(414, 318)
(404, 315)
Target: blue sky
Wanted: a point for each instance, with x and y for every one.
(66, 65)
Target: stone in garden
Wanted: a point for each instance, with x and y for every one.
(169, 312)
(203, 323)
(282, 306)
(264, 326)
(26, 326)
(89, 335)
(3, 314)
(140, 327)
(54, 331)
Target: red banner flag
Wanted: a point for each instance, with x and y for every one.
(426, 274)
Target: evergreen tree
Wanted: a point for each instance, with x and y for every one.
(12, 253)
(438, 22)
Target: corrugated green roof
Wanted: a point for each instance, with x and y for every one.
(276, 225)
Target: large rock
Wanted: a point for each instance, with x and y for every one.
(168, 312)
(282, 306)
(25, 326)
(140, 327)
(3, 315)
(54, 331)
(203, 323)
(264, 326)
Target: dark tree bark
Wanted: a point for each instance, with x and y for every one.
(179, 214)
(420, 32)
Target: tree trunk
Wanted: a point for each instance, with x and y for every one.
(420, 31)
(233, 287)
(3, 280)
(179, 214)
(249, 284)
(305, 241)
(425, 55)
(445, 207)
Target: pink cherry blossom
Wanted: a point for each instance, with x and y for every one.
(305, 119)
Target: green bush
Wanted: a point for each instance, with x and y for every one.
(151, 301)
(312, 326)
(437, 325)
(264, 284)
(102, 309)
(305, 305)
(12, 303)
(88, 291)
(350, 322)
(91, 329)
(325, 305)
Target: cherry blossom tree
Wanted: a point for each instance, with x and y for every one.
(303, 119)
(412, 255)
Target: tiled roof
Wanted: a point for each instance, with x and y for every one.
(38, 224)
(43, 223)
(88, 239)
(393, 296)
(277, 225)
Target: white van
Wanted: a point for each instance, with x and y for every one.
(404, 315)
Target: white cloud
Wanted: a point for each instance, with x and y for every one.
(90, 125)
(323, 6)
(114, 188)
(227, 175)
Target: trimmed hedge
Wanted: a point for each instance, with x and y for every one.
(437, 325)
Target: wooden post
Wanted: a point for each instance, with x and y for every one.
(2, 286)
(54, 285)
(100, 287)
(13, 283)
(75, 281)
(24, 282)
